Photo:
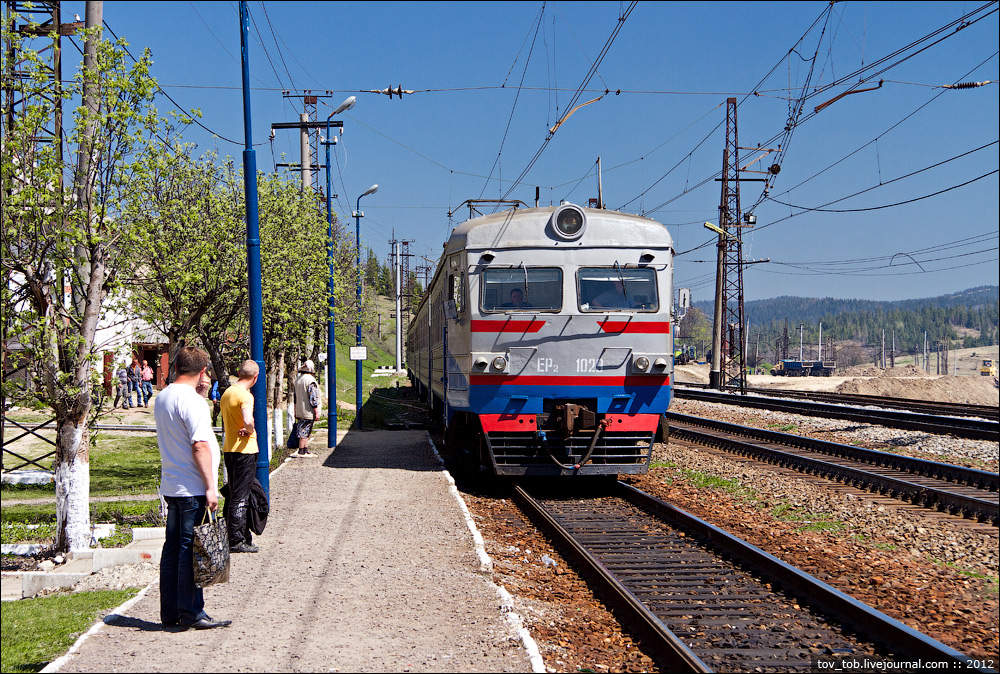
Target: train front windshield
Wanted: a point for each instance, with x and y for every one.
(522, 289)
(614, 288)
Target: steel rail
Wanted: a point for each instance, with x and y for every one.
(921, 406)
(663, 645)
(974, 429)
(867, 620)
(989, 412)
(970, 506)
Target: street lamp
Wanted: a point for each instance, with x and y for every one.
(331, 345)
(357, 368)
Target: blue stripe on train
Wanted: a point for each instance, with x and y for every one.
(514, 399)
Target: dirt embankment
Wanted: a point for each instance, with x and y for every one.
(945, 388)
(896, 382)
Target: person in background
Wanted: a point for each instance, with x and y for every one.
(240, 455)
(147, 381)
(517, 300)
(306, 406)
(121, 390)
(189, 482)
(135, 381)
(215, 397)
(612, 298)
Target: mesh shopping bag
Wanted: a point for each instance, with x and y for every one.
(211, 551)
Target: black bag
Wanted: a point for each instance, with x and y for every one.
(259, 508)
(293, 437)
(211, 551)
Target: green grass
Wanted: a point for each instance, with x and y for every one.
(18, 532)
(808, 521)
(662, 464)
(992, 581)
(119, 466)
(702, 480)
(134, 513)
(36, 631)
(783, 427)
(119, 539)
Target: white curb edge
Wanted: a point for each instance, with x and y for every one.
(486, 567)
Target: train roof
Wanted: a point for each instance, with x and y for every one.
(531, 228)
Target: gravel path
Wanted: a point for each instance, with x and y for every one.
(366, 565)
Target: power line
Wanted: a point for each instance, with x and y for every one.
(170, 98)
(570, 106)
(517, 96)
(881, 207)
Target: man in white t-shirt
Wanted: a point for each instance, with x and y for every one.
(189, 456)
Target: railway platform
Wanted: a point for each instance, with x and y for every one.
(367, 564)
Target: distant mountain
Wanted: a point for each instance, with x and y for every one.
(810, 309)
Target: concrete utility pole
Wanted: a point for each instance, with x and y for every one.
(308, 128)
(801, 328)
(306, 158)
(399, 305)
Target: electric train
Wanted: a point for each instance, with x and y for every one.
(545, 340)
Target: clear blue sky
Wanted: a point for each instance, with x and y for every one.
(660, 139)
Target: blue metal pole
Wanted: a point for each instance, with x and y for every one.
(253, 267)
(331, 339)
(357, 363)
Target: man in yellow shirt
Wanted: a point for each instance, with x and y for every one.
(240, 455)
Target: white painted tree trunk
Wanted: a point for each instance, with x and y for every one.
(279, 432)
(72, 477)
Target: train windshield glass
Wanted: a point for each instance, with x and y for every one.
(512, 289)
(617, 289)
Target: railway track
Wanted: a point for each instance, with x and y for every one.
(703, 600)
(963, 427)
(989, 412)
(966, 491)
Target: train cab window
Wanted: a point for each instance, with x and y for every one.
(457, 292)
(617, 289)
(517, 289)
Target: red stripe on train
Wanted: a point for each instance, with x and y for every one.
(635, 327)
(547, 380)
(527, 422)
(531, 325)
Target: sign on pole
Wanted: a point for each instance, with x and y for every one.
(359, 353)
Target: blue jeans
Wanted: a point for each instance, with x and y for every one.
(133, 387)
(147, 391)
(180, 599)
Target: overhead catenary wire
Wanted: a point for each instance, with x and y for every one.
(179, 106)
(963, 22)
(576, 97)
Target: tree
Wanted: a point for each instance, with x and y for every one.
(186, 246)
(51, 241)
(696, 329)
(293, 234)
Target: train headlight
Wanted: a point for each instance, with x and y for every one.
(642, 363)
(660, 363)
(569, 221)
(499, 363)
(481, 363)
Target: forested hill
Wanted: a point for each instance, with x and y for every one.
(811, 309)
(975, 310)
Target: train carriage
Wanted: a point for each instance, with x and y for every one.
(545, 339)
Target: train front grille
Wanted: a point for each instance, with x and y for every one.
(613, 448)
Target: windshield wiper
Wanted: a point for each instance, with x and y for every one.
(628, 305)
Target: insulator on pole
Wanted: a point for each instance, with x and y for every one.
(967, 85)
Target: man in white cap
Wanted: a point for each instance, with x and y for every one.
(306, 406)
